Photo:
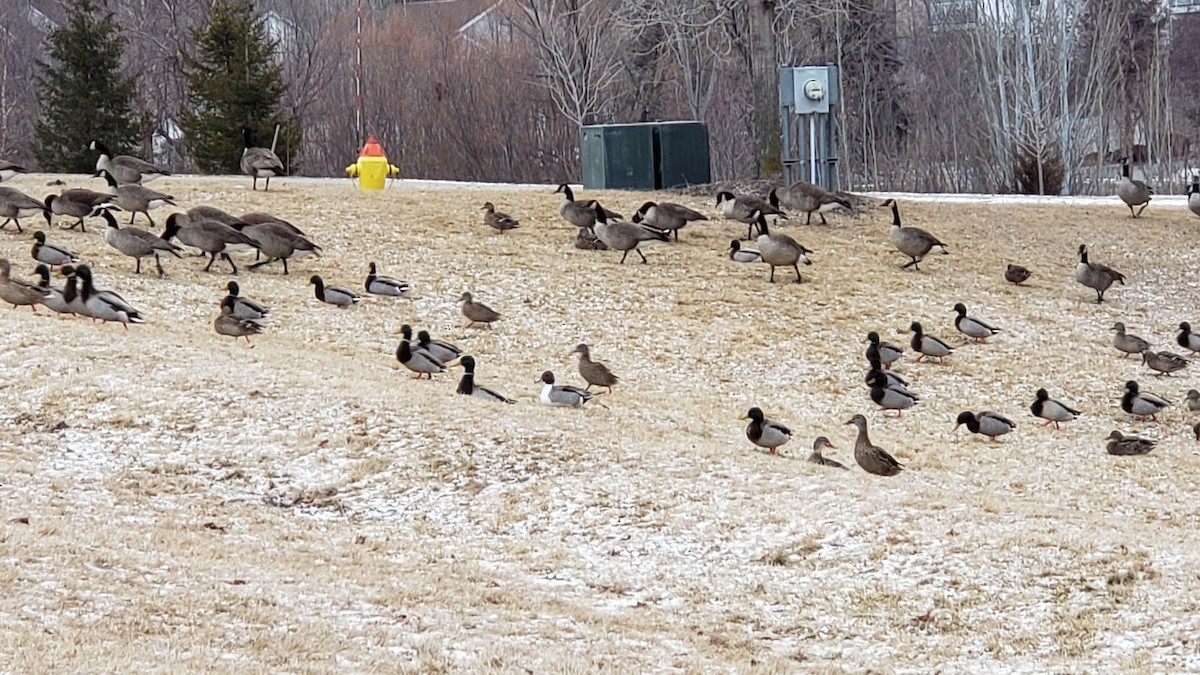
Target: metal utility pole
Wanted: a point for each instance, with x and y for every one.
(358, 106)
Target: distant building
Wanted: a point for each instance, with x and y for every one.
(493, 26)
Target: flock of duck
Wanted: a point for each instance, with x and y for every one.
(215, 234)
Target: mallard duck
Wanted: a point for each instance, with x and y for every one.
(806, 198)
(259, 162)
(229, 323)
(77, 203)
(1128, 342)
(335, 295)
(745, 209)
(667, 216)
(622, 236)
(126, 168)
(54, 256)
(1120, 444)
(1142, 404)
(972, 327)
(743, 255)
(54, 300)
(208, 236)
(890, 398)
(377, 285)
(585, 240)
(419, 361)
(985, 423)
(135, 243)
(1193, 400)
(1193, 196)
(890, 378)
(912, 241)
(71, 291)
(477, 312)
(928, 345)
(593, 372)
(104, 305)
(766, 433)
(1050, 410)
(884, 352)
(1096, 276)
(16, 292)
(498, 220)
(243, 307)
(580, 213)
(817, 458)
(780, 250)
(134, 198)
(441, 350)
(467, 386)
(1187, 339)
(872, 458)
(1016, 274)
(561, 395)
(15, 205)
(1133, 192)
(1164, 363)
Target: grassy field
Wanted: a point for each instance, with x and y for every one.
(173, 500)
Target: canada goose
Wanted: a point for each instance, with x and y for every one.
(125, 168)
(419, 361)
(1193, 400)
(780, 250)
(1133, 192)
(259, 162)
(622, 236)
(561, 395)
(1016, 274)
(972, 327)
(888, 397)
(477, 312)
(441, 350)
(1187, 339)
(467, 386)
(586, 240)
(205, 212)
(1096, 276)
(817, 458)
(77, 203)
(244, 307)
(377, 285)
(1050, 410)
(807, 197)
(1128, 343)
(276, 241)
(134, 198)
(742, 208)
(766, 433)
(1142, 404)
(928, 345)
(743, 255)
(884, 352)
(498, 220)
(209, 236)
(1164, 363)
(255, 218)
(15, 205)
(1193, 196)
(593, 372)
(872, 458)
(580, 213)
(985, 423)
(104, 305)
(16, 292)
(335, 295)
(54, 300)
(1122, 445)
(8, 170)
(54, 256)
(667, 216)
(136, 243)
(229, 323)
(911, 241)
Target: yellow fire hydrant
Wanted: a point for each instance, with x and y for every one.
(372, 169)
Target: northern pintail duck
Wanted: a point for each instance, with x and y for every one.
(51, 254)
(561, 395)
(817, 458)
(871, 457)
(1122, 445)
(1096, 276)
(766, 433)
(1133, 192)
(16, 292)
(1187, 339)
(928, 345)
(985, 423)
(418, 361)
(441, 350)
(596, 374)
(335, 295)
(498, 220)
(379, 285)
(780, 250)
(1016, 274)
(911, 241)
(1051, 410)
(885, 352)
(1142, 404)
(1128, 343)
(743, 255)
(1164, 363)
(972, 327)
(467, 386)
(667, 216)
(244, 307)
(229, 323)
(477, 312)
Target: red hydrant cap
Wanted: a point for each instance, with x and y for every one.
(372, 148)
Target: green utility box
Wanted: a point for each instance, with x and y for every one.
(644, 156)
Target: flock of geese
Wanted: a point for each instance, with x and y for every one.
(215, 234)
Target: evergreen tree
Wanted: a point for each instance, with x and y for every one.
(234, 83)
(83, 96)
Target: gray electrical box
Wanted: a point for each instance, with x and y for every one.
(808, 89)
(808, 96)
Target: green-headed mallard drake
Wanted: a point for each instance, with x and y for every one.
(477, 312)
(928, 345)
(745, 209)
(1096, 276)
(71, 294)
(50, 254)
(498, 220)
(133, 197)
(972, 327)
(890, 378)
(335, 295)
(377, 285)
(1193, 196)
(54, 301)
(259, 162)
(15, 205)
(243, 307)
(1050, 410)
(467, 386)
(1016, 274)
(1164, 363)
(561, 395)
(1142, 404)
(16, 292)
(1193, 400)
(229, 323)
(1128, 342)
(806, 198)
(77, 203)
(743, 255)
(872, 458)
(126, 168)
(817, 458)
(667, 216)
(780, 250)
(1133, 192)
(911, 241)
(596, 374)
(1187, 339)
(1122, 445)
(896, 398)
(985, 423)
(884, 352)
(104, 305)
(135, 243)
(441, 350)
(623, 236)
(766, 433)
(418, 361)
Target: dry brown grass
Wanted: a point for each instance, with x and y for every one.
(304, 506)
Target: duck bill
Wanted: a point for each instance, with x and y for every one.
(955, 429)
(456, 363)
